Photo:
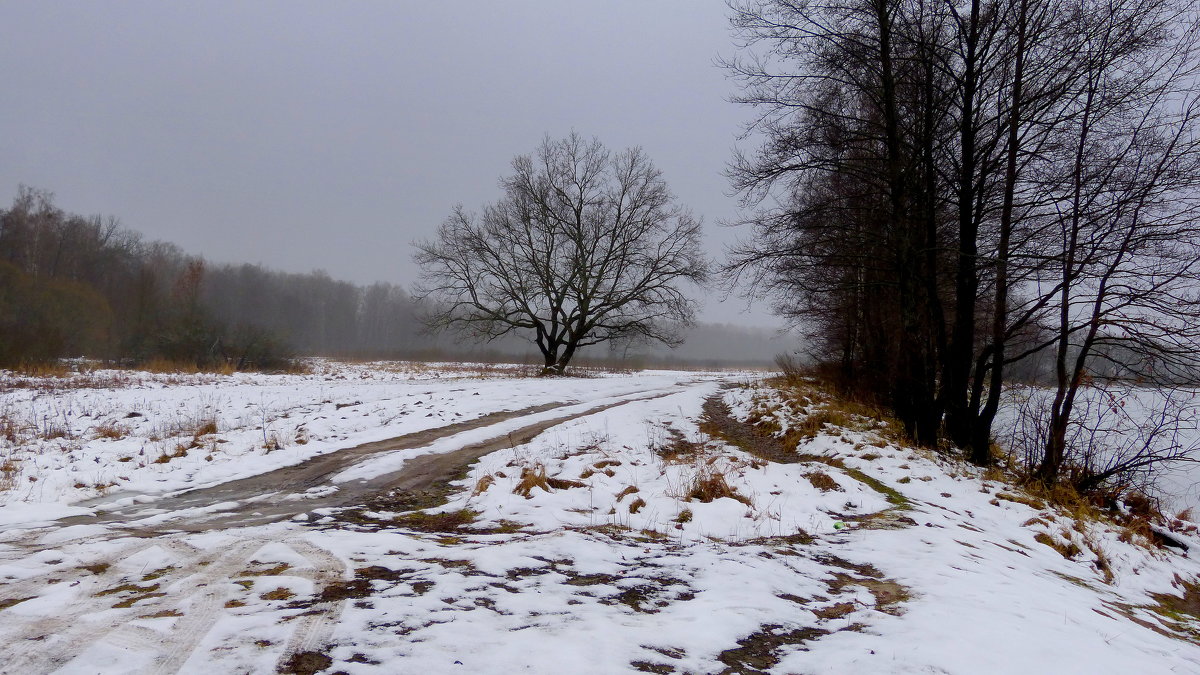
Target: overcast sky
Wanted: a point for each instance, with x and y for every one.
(330, 135)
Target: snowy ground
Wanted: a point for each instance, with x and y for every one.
(67, 440)
(672, 531)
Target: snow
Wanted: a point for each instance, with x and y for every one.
(862, 555)
(58, 456)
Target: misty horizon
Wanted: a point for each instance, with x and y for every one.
(308, 137)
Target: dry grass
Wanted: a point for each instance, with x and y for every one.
(636, 505)
(823, 481)
(564, 483)
(814, 423)
(8, 474)
(676, 448)
(450, 521)
(76, 381)
(161, 365)
(205, 427)
(1067, 500)
(1031, 502)
(1102, 562)
(482, 485)
(272, 571)
(531, 477)
(1134, 522)
(1067, 550)
(626, 492)
(1136, 530)
(439, 369)
(280, 593)
(179, 451)
(111, 431)
(710, 485)
(10, 428)
(821, 412)
(535, 477)
(161, 614)
(996, 474)
(44, 369)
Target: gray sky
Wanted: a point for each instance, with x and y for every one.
(308, 135)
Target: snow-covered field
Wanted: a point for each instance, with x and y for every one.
(1120, 423)
(67, 440)
(647, 522)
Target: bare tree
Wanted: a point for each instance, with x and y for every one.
(845, 194)
(1127, 219)
(1121, 437)
(585, 246)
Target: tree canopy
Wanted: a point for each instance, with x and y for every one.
(585, 246)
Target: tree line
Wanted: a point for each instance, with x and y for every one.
(73, 285)
(950, 193)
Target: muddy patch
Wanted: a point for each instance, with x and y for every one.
(306, 663)
(759, 652)
(717, 421)
(360, 586)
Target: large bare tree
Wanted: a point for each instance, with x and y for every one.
(585, 246)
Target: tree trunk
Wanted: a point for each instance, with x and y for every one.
(959, 416)
(560, 366)
(1056, 444)
(550, 357)
(982, 431)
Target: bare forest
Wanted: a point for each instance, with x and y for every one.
(86, 286)
(953, 196)
(73, 285)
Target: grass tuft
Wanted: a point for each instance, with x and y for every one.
(111, 431)
(531, 477)
(823, 481)
(1068, 550)
(626, 492)
(708, 486)
(482, 485)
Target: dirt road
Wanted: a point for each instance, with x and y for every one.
(169, 569)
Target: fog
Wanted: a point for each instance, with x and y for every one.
(330, 136)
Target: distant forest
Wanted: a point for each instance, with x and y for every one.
(73, 285)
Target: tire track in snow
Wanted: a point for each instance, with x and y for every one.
(196, 623)
(246, 501)
(197, 586)
(49, 644)
(316, 629)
